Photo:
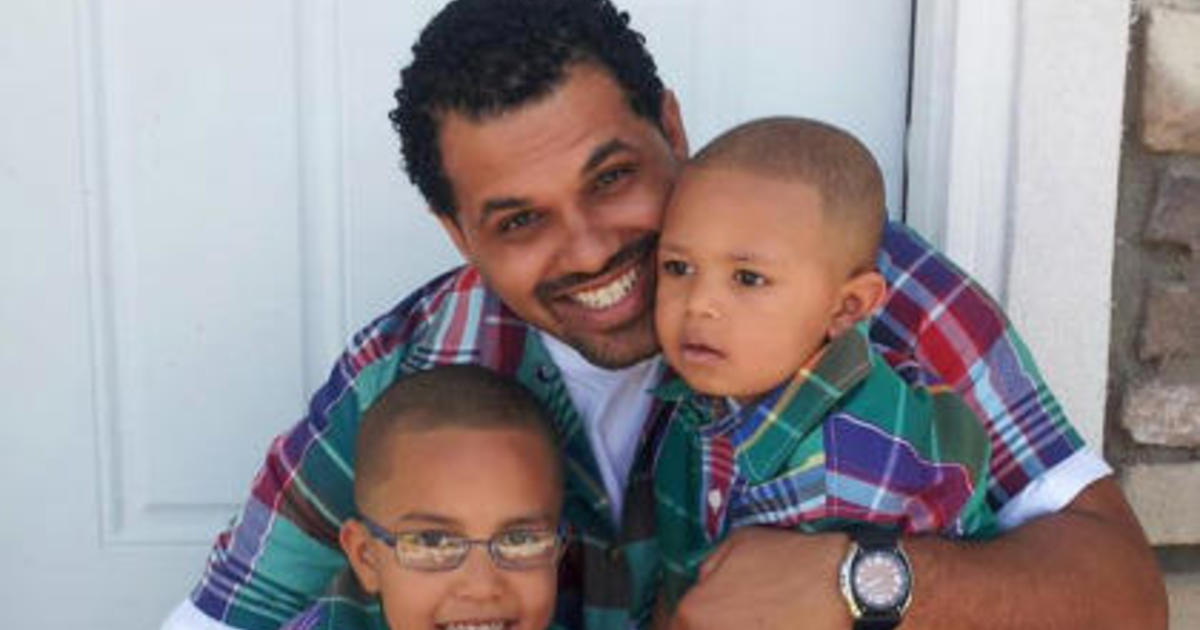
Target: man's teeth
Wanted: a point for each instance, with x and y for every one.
(476, 625)
(610, 293)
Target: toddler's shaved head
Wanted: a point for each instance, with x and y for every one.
(832, 161)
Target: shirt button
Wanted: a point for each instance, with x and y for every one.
(545, 372)
(714, 500)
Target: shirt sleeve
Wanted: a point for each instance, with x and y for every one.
(1054, 489)
(187, 617)
(938, 325)
(281, 551)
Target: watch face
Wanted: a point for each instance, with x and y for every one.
(880, 580)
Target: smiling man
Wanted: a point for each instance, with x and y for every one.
(546, 145)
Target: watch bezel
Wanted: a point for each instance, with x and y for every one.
(859, 608)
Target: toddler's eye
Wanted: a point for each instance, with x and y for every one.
(676, 268)
(749, 278)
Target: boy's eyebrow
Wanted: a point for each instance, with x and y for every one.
(746, 256)
(671, 247)
(537, 518)
(428, 518)
(532, 519)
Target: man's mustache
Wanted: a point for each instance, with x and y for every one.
(634, 250)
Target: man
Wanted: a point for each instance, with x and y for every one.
(545, 144)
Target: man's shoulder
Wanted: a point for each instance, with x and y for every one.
(453, 318)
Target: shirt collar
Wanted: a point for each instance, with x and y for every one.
(765, 431)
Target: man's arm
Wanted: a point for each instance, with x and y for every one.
(1087, 566)
(1087, 562)
(282, 551)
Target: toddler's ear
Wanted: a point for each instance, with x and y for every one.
(858, 298)
(356, 544)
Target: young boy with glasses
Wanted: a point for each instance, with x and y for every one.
(458, 490)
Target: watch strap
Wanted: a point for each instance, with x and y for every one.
(874, 538)
(877, 623)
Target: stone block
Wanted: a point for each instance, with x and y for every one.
(1172, 324)
(1163, 414)
(1165, 499)
(1183, 593)
(1171, 81)
(1175, 218)
(1145, 5)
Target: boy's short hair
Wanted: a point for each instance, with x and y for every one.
(483, 58)
(448, 396)
(802, 150)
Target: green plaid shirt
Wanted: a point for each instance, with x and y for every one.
(607, 574)
(845, 442)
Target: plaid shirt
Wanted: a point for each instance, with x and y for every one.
(844, 442)
(281, 551)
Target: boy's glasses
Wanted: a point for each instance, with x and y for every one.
(434, 550)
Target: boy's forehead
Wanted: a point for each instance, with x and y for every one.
(436, 470)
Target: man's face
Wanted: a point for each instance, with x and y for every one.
(559, 203)
(748, 281)
(473, 483)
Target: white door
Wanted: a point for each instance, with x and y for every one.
(199, 201)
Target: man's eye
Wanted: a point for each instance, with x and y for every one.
(610, 177)
(517, 221)
(676, 268)
(749, 278)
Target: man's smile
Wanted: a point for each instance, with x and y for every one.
(618, 294)
(609, 294)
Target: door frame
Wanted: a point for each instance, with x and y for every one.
(1014, 146)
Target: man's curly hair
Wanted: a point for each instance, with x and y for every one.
(481, 58)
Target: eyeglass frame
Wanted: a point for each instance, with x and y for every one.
(390, 538)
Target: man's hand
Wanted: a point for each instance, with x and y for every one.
(1087, 566)
(768, 579)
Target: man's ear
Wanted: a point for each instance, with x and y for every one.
(857, 299)
(356, 544)
(450, 224)
(672, 125)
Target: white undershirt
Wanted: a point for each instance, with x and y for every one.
(613, 405)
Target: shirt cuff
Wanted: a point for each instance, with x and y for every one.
(187, 617)
(1054, 489)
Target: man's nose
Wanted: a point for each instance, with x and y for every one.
(590, 243)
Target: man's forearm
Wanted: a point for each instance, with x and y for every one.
(1087, 566)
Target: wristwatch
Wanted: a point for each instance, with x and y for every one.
(876, 579)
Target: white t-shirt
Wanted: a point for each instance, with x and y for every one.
(613, 404)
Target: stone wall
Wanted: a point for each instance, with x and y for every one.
(1153, 428)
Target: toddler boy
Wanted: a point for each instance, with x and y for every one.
(458, 488)
(788, 417)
